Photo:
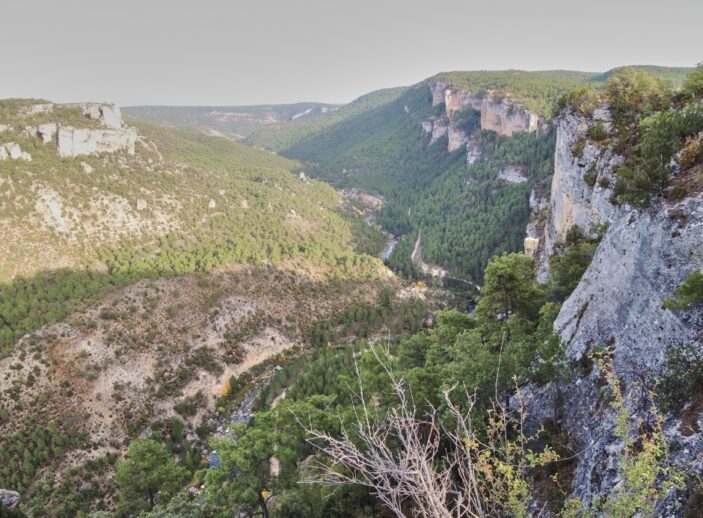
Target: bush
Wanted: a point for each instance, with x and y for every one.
(597, 133)
(591, 176)
(693, 85)
(577, 147)
(688, 293)
(681, 376)
(582, 101)
(662, 135)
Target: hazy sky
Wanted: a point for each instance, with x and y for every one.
(276, 51)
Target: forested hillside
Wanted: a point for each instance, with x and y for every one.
(463, 201)
(183, 202)
(277, 138)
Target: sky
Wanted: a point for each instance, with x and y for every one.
(237, 52)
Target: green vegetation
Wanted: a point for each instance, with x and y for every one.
(27, 451)
(651, 125)
(280, 138)
(688, 293)
(148, 475)
(568, 264)
(262, 214)
(465, 216)
(682, 377)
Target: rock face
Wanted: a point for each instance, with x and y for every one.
(498, 113)
(473, 152)
(618, 303)
(73, 142)
(617, 306)
(581, 185)
(513, 174)
(108, 114)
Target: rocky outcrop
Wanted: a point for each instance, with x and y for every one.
(499, 113)
(436, 128)
(73, 142)
(513, 174)
(108, 114)
(617, 307)
(456, 137)
(13, 151)
(473, 152)
(581, 185)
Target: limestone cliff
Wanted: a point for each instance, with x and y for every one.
(618, 307)
(497, 112)
(582, 182)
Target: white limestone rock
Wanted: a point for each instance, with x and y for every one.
(513, 174)
(573, 200)
(456, 137)
(73, 142)
(13, 151)
(108, 114)
(473, 152)
(87, 168)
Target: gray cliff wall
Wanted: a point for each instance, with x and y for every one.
(617, 306)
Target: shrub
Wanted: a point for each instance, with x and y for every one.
(688, 293)
(693, 84)
(597, 133)
(692, 152)
(582, 100)
(681, 376)
(662, 136)
(577, 147)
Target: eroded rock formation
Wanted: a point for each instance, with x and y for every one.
(72, 141)
(497, 113)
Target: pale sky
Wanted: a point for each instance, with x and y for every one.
(219, 52)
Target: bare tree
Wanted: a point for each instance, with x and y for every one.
(398, 456)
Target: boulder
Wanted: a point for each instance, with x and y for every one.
(12, 150)
(108, 114)
(9, 498)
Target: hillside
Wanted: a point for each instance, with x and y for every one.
(236, 122)
(145, 271)
(169, 203)
(277, 138)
